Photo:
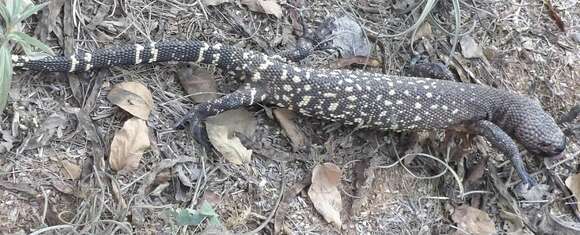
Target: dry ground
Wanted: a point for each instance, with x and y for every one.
(525, 52)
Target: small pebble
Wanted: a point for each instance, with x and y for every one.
(576, 36)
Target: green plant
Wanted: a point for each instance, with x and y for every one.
(13, 12)
(195, 217)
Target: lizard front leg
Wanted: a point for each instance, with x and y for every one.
(246, 96)
(502, 141)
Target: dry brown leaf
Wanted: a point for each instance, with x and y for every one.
(553, 13)
(252, 5)
(157, 173)
(214, 2)
(424, 31)
(324, 192)
(222, 129)
(403, 5)
(132, 97)
(265, 6)
(137, 216)
(212, 229)
(296, 136)
(53, 125)
(211, 197)
(289, 196)
(163, 176)
(346, 35)
(129, 144)
(185, 176)
(197, 82)
(159, 189)
(228, 145)
(535, 193)
(19, 187)
(573, 183)
(6, 141)
(358, 60)
(117, 193)
(364, 177)
(473, 220)
(470, 49)
(476, 173)
(86, 126)
(63, 187)
(73, 171)
(271, 7)
(53, 20)
(553, 222)
(516, 223)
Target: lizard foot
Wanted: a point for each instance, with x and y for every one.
(197, 129)
(526, 184)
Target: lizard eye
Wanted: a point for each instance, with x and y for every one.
(544, 145)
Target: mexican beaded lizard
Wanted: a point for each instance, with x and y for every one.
(353, 97)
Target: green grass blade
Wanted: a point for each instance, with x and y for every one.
(5, 15)
(14, 37)
(26, 40)
(5, 76)
(30, 10)
(13, 7)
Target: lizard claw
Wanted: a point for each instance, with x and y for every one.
(526, 184)
(531, 182)
(527, 180)
(199, 132)
(184, 121)
(197, 129)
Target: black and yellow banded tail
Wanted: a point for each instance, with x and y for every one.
(223, 56)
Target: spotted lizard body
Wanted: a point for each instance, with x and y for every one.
(352, 97)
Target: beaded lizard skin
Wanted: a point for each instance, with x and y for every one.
(352, 97)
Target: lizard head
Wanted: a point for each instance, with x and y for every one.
(536, 130)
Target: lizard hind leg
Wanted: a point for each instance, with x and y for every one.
(431, 70)
(246, 96)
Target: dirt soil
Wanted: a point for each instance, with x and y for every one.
(56, 176)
